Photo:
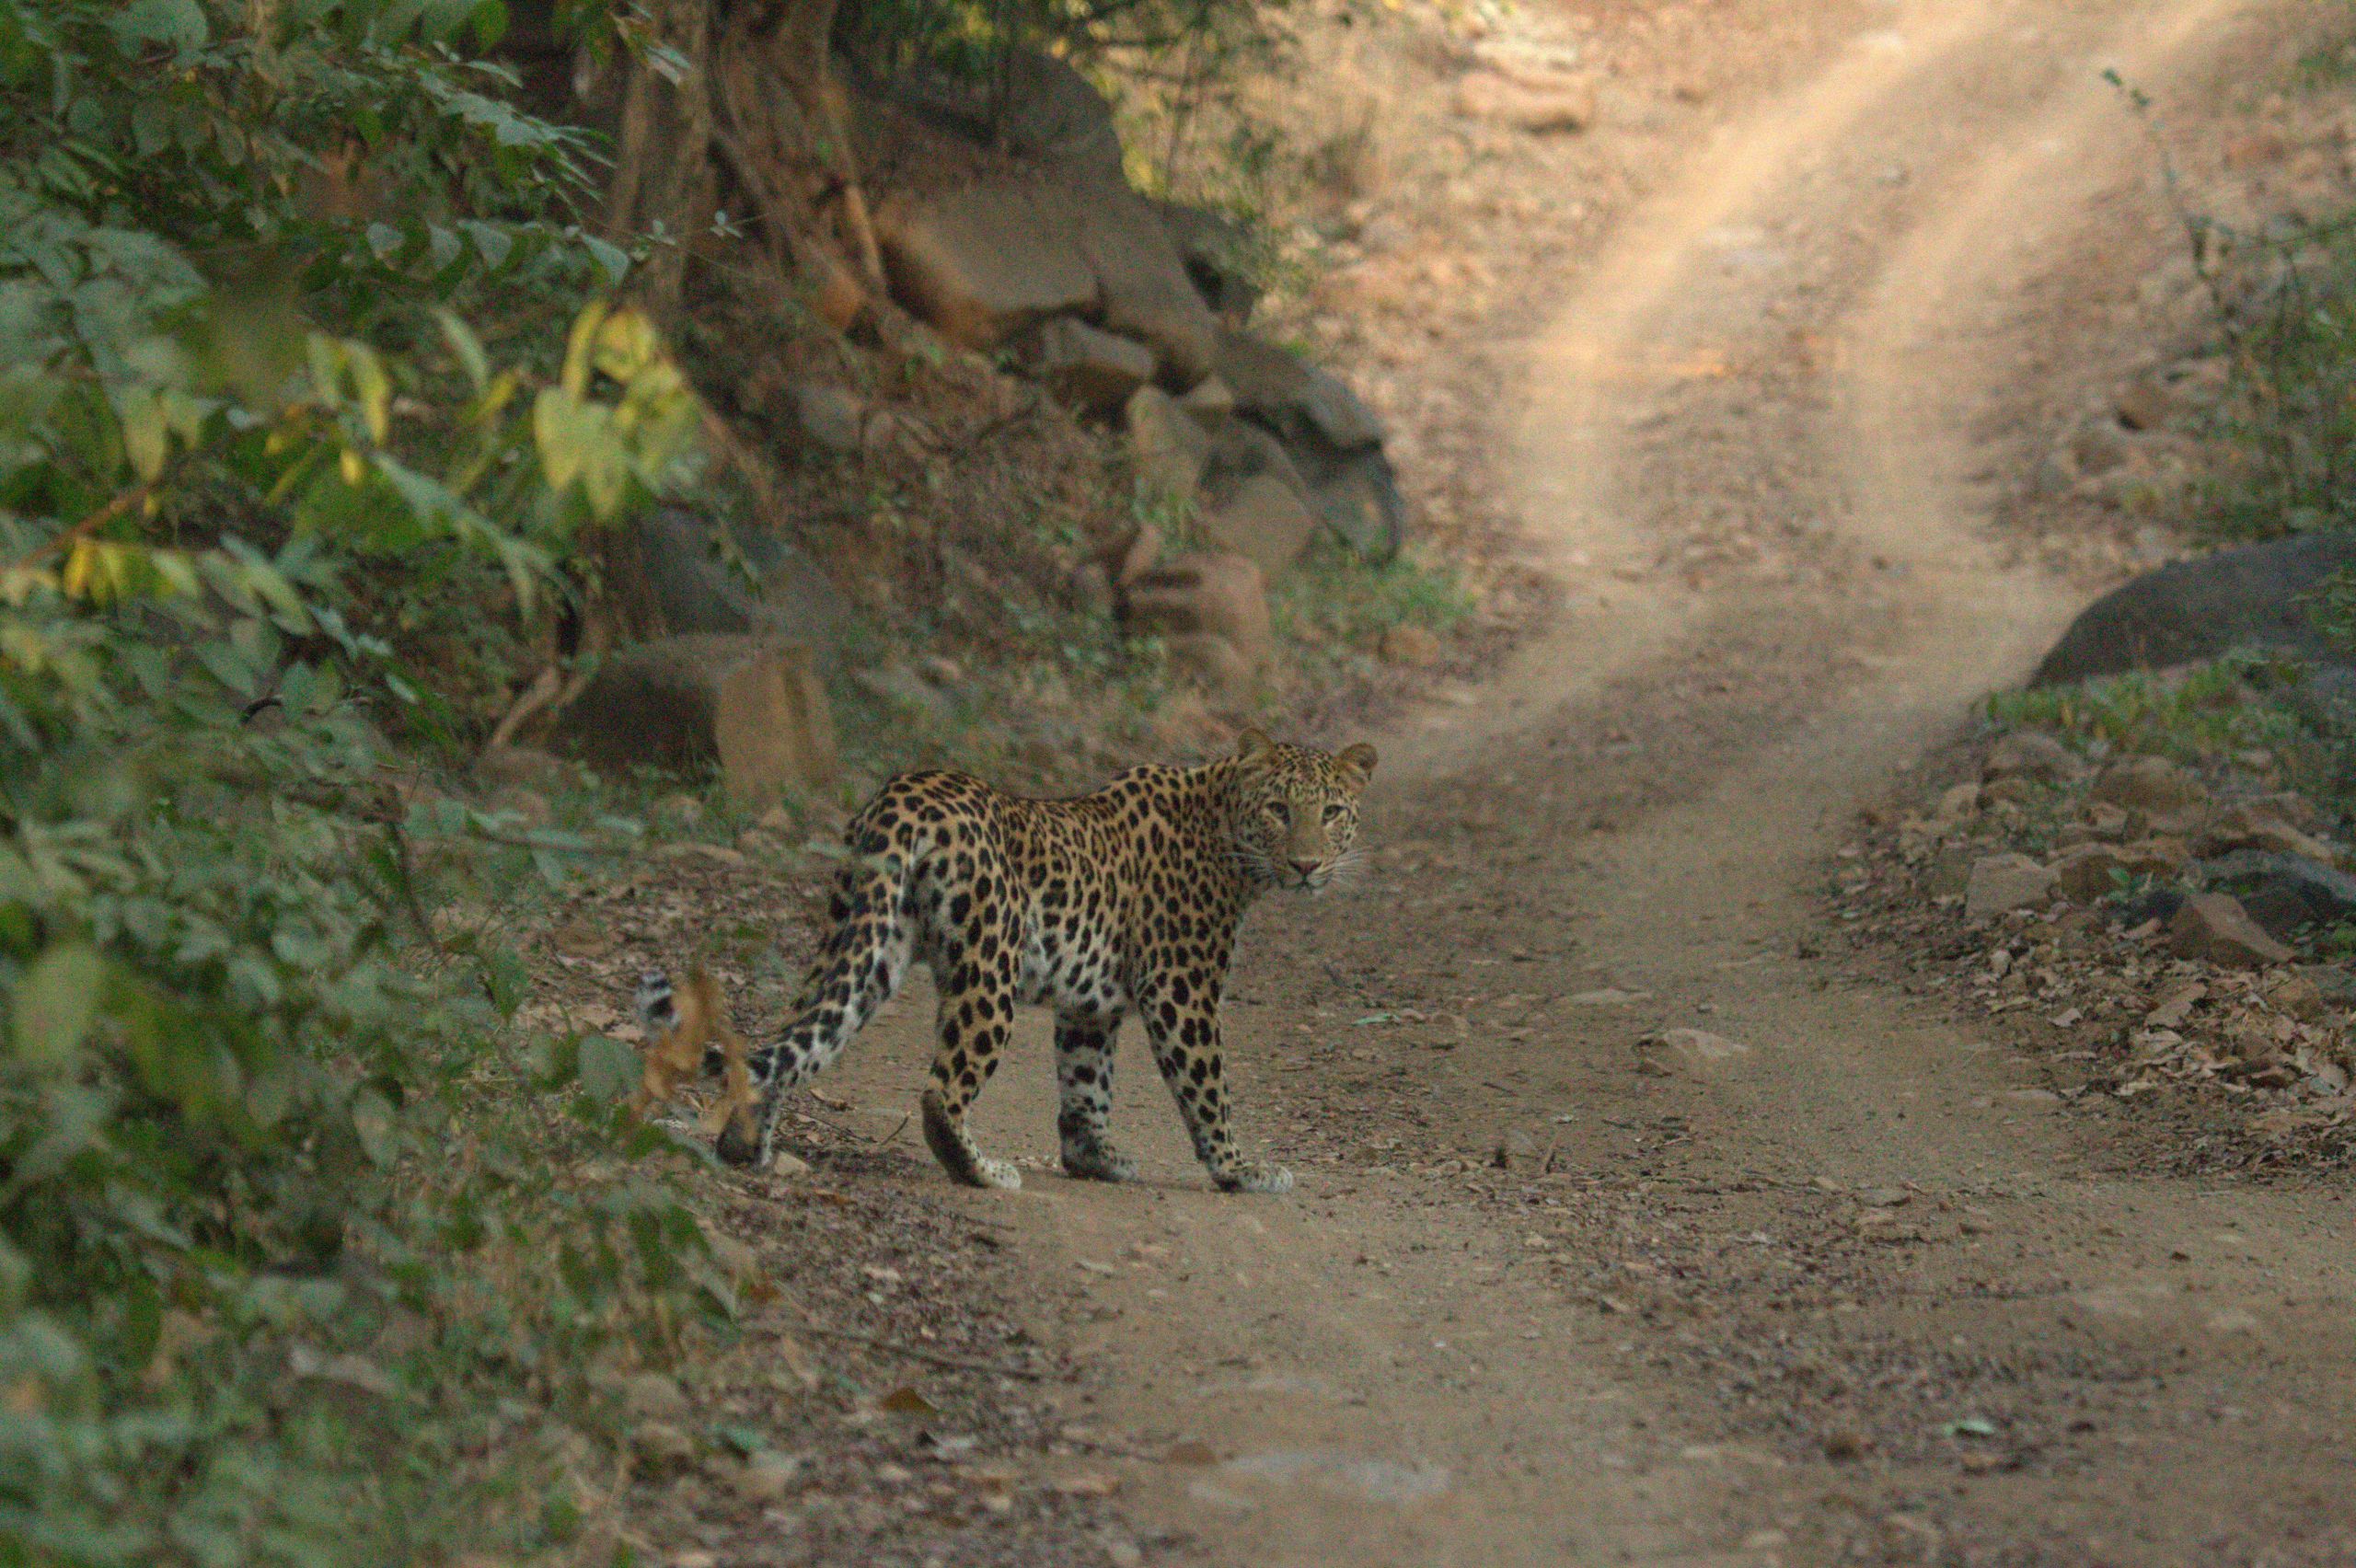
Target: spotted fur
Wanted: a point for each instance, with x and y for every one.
(1123, 900)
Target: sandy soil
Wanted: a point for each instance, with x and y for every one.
(1854, 1289)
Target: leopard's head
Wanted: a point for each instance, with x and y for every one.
(1296, 809)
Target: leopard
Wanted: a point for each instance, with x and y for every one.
(1123, 900)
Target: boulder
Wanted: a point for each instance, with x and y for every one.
(1242, 451)
(2000, 883)
(983, 263)
(1361, 503)
(1032, 105)
(2213, 927)
(2167, 793)
(1168, 444)
(827, 416)
(2032, 754)
(1266, 520)
(695, 592)
(1307, 408)
(2253, 595)
(2283, 893)
(2252, 825)
(1142, 282)
(2090, 871)
(1222, 594)
(1212, 247)
(749, 706)
(1092, 370)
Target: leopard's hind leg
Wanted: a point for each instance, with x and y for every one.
(975, 967)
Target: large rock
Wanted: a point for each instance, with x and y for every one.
(2166, 792)
(1168, 444)
(1142, 281)
(791, 600)
(750, 707)
(2091, 871)
(2254, 595)
(1241, 452)
(1032, 105)
(2213, 927)
(2283, 893)
(2032, 754)
(1360, 503)
(2251, 824)
(1224, 595)
(2001, 884)
(1092, 370)
(1213, 245)
(983, 263)
(1307, 408)
(1267, 520)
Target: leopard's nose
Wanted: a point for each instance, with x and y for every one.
(1303, 867)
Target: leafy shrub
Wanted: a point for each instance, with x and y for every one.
(277, 1193)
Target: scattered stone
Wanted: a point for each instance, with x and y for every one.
(1265, 521)
(1092, 370)
(1697, 1050)
(2006, 881)
(508, 767)
(765, 1477)
(1411, 647)
(660, 1445)
(827, 416)
(2167, 793)
(650, 1396)
(2213, 927)
(2253, 825)
(2032, 754)
(1167, 442)
(2283, 893)
(753, 706)
(1136, 555)
(783, 1163)
(1224, 595)
(2088, 872)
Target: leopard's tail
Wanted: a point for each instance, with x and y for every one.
(664, 1009)
(863, 966)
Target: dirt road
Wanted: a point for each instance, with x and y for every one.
(1856, 1290)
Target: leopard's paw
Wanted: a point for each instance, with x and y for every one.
(998, 1174)
(1098, 1162)
(1253, 1176)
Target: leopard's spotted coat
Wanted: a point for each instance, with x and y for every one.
(1123, 900)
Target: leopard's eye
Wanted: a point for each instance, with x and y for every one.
(1333, 812)
(1279, 812)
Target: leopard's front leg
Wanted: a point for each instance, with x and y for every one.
(1084, 1082)
(1181, 1012)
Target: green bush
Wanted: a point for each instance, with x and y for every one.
(279, 1192)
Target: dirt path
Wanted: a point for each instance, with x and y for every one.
(1858, 1292)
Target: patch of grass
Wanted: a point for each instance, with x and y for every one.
(2214, 710)
(1335, 606)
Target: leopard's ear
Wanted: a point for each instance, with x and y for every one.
(1252, 742)
(1357, 759)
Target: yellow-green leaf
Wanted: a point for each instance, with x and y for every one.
(55, 1003)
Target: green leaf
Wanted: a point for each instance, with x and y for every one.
(179, 23)
(609, 1069)
(55, 1003)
